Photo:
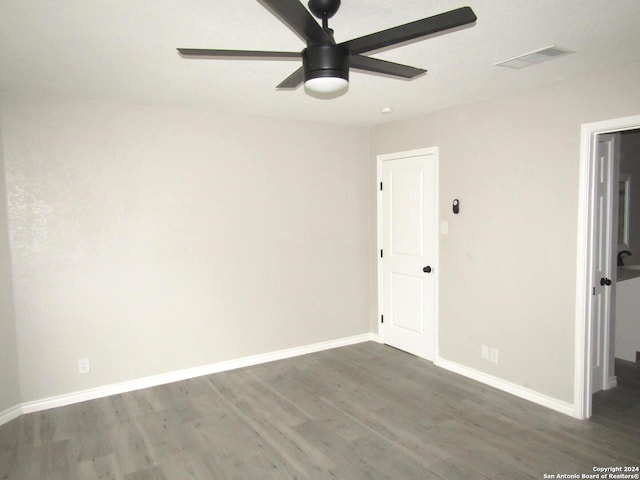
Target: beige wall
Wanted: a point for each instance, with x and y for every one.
(627, 327)
(508, 265)
(153, 239)
(9, 386)
(630, 163)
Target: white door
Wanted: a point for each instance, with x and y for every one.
(409, 251)
(604, 268)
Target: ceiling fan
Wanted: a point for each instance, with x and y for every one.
(325, 64)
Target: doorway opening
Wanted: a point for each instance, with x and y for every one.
(593, 304)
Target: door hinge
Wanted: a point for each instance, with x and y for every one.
(381, 254)
(593, 292)
(381, 318)
(380, 186)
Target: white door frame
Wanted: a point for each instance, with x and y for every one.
(584, 282)
(393, 156)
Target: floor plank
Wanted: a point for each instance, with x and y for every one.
(365, 411)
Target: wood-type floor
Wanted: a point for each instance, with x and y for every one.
(366, 411)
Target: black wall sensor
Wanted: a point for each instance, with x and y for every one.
(456, 206)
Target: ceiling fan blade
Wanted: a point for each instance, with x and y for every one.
(205, 52)
(294, 80)
(298, 18)
(409, 31)
(369, 64)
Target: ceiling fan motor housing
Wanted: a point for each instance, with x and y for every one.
(326, 61)
(324, 8)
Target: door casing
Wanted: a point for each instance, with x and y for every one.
(585, 258)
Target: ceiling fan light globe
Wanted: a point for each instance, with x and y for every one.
(326, 84)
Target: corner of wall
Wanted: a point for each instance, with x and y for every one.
(373, 235)
(10, 391)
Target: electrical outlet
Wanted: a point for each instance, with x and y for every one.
(484, 352)
(84, 365)
(493, 355)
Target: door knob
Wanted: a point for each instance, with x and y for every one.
(605, 281)
(427, 269)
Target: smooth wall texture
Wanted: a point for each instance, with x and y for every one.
(630, 163)
(152, 239)
(508, 265)
(627, 333)
(9, 385)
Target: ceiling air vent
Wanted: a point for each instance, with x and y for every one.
(531, 58)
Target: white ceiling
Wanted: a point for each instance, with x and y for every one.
(124, 50)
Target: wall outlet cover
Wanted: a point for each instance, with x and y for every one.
(84, 365)
(493, 355)
(484, 352)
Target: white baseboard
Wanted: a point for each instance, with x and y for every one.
(505, 386)
(9, 414)
(175, 376)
